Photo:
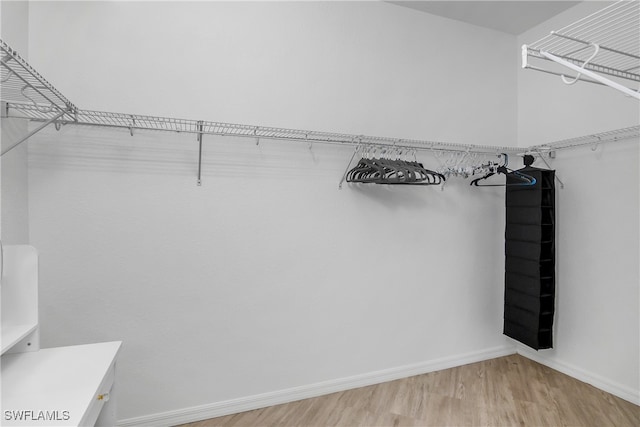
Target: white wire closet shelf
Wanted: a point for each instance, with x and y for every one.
(26, 94)
(593, 140)
(602, 48)
(21, 83)
(134, 122)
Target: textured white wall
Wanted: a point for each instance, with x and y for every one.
(267, 276)
(354, 67)
(597, 306)
(14, 211)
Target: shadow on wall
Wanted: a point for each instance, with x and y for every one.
(168, 153)
(453, 195)
(151, 153)
(241, 162)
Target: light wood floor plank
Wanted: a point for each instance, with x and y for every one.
(507, 391)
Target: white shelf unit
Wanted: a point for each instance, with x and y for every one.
(19, 292)
(65, 386)
(602, 48)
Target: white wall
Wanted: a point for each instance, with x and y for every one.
(14, 212)
(597, 306)
(267, 277)
(338, 66)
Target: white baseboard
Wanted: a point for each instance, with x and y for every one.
(605, 384)
(248, 403)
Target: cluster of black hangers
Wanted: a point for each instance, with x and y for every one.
(390, 168)
(491, 169)
(383, 170)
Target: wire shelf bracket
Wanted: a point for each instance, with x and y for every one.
(20, 83)
(199, 125)
(604, 47)
(33, 132)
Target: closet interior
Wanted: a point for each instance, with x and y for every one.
(603, 48)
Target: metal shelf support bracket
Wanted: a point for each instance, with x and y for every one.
(199, 127)
(33, 132)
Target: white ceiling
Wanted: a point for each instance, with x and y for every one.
(513, 17)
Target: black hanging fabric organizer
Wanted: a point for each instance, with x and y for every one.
(530, 259)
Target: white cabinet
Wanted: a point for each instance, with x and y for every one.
(64, 386)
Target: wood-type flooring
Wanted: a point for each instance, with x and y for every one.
(507, 391)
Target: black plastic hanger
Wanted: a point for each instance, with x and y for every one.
(393, 171)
